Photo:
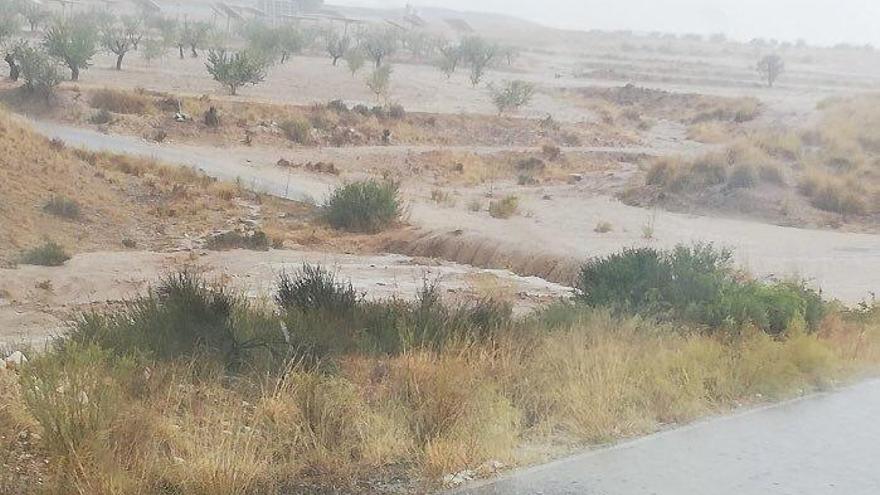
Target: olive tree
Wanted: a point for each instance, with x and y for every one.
(9, 27)
(512, 95)
(235, 69)
(770, 67)
(73, 41)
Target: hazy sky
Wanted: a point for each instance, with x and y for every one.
(817, 21)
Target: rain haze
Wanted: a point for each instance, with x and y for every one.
(823, 22)
(439, 247)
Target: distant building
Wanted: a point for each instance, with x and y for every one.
(275, 9)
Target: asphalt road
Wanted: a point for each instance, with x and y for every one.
(826, 444)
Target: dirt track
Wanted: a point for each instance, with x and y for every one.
(35, 301)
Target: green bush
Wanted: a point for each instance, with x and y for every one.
(696, 284)
(298, 130)
(183, 317)
(255, 240)
(49, 254)
(314, 287)
(363, 206)
(505, 207)
(63, 207)
(326, 317)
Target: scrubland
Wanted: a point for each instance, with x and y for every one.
(822, 174)
(194, 389)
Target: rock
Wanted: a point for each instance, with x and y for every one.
(15, 360)
(572, 178)
(459, 477)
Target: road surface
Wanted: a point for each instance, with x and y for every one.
(826, 444)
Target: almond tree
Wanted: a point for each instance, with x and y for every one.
(236, 69)
(770, 67)
(73, 41)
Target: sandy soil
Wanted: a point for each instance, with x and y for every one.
(35, 301)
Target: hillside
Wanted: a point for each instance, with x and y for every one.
(87, 201)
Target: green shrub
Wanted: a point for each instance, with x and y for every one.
(255, 240)
(696, 284)
(337, 106)
(396, 111)
(101, 117)
(298, 130)
(363, 206)
(743, 175)
(314, 287)
(49, 254)
(505, 207)
(512, 95)
(63, 207)
(326, 317)
(183, 317)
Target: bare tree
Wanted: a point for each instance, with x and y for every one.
(450, 57)
(116, 39)
(380, 43)
(336, 44)
(194, 35)
(9, 27)
(34, 13)
(770, 67)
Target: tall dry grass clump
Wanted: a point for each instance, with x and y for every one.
(118, 101)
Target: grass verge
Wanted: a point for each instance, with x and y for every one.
(192, 389)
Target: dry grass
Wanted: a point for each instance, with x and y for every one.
(119, 101)
(582, 376)
(740, 165)
(117, 197)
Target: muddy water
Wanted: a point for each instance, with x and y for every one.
(558, 221)
(827, 444)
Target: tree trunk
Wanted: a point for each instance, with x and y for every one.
(74, 73)
(232, 89)
(193, 51)
(180, 49)
(119, 61)
(14, 71)
(335, 59)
